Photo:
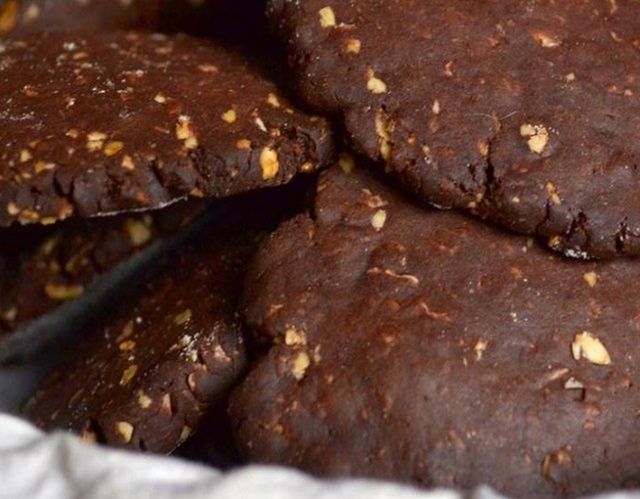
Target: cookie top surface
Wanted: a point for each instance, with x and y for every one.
(464, 355)
(524, 112)
(145, 380)
(112, 122)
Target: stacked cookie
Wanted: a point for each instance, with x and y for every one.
(372, 334)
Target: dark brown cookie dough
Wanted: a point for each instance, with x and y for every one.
(527, 113)
(93, 124)
(146, 380)
(426, 347)
(45, 267)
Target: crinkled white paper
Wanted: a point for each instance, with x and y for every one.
(60, 466)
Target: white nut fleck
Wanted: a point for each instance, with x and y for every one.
(327, 17)
(586, 345)
(537, 136)
(378, 220)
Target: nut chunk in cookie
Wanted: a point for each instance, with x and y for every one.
(426, 347)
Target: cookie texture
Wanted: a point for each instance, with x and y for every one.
(426, 347)
(526, 113)
(45, 267)
(145, 381)
(95, 124)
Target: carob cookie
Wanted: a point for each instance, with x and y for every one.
(527, 113)
(146, 380)
(95, 124)
(426, 347)
(45, 267)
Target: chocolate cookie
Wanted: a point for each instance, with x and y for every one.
(95, 124)
(527, 113)
(425, 347)
(166, 357)
(45, 267)
(146, 380)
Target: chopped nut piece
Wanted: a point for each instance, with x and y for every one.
(327, 17)
(384, 129)
(127, 163)
(352, 46)
(62, 292)
(185, 132)
(183, 317)
(25, 156)
(185, 433)
(127, 346)
(537, 137)
(436, 107)
(546, 40)
(128, 374)
(378, 220)
(144, 401)
(480, 348)
(125, 430)
(244, 144)
(229, 116)
(591, 278)
(95, 141)
(160, 98)
(139, 233)
(269, 163)
(553, 193)
(573, 384)
(294, 337)
(586, 345)
(346, 162)
(113, 148)
(273, 100)
(374, 84)
(300, 365)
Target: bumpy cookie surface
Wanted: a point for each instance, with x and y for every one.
(524, 112)
(98, 124)
(426, 347)
(147, 378)
(48, 266)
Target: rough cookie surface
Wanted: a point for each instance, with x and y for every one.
(527, 113)
(426, 347)
(45, 267)
(146, 380)
(98, 124)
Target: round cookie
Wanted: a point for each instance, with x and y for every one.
(527, 113)
(145, 380)
(96, 124)
(426, 347)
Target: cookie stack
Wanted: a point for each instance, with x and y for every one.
(360, 330)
